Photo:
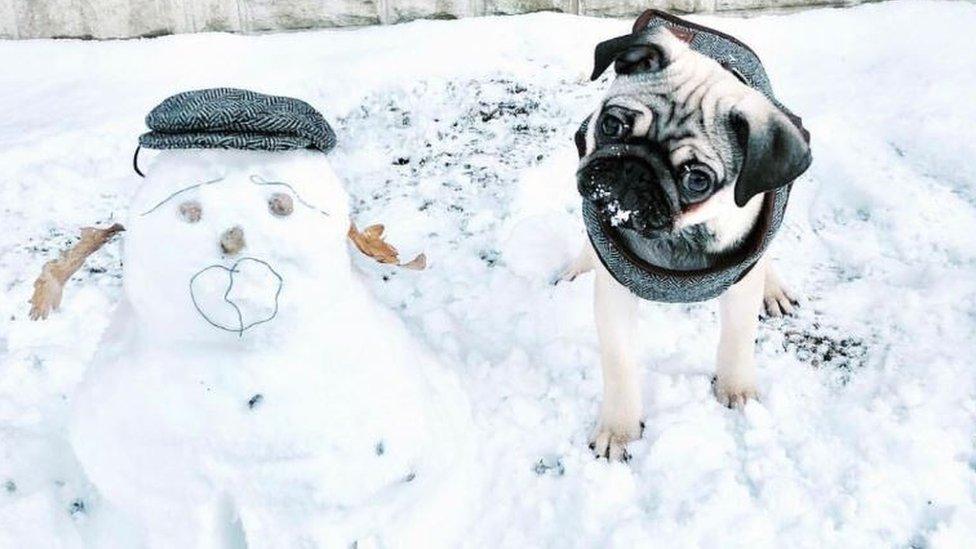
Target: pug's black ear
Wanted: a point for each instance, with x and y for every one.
(608, 50)
(775, 151)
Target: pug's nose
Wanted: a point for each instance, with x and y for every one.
(232, 241)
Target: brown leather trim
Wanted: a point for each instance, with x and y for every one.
(683, 34)
(645, 18)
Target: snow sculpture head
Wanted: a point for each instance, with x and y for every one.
(229, 241)
(240, 218)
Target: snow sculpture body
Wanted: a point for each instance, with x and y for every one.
(250, 389)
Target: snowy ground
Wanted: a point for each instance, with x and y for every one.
(457, 135)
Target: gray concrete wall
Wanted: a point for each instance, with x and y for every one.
(130, 18)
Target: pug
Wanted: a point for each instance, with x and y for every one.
(685, 170)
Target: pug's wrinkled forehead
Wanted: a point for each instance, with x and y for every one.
(659, 72)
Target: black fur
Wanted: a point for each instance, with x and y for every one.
(632, 186)
(775, 152)
(607, 51)
(683, 250)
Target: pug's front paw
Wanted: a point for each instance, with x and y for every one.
(610, 441)
(778, 300)
(733, 393)
(567, 274)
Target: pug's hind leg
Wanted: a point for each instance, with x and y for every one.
(620, 413)
(778, 300)
(583, 263)
(735, 372)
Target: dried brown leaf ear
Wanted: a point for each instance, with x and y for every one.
(374, 232)
(49, 285)
(418, 263)
(370, 242)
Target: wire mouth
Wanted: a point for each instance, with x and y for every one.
(233, 313)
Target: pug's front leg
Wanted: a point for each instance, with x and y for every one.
(615, 308)
(735, 374)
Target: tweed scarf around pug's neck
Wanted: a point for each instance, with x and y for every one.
(658, 284)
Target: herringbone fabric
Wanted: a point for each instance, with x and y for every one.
(657, 284)
(229, 118)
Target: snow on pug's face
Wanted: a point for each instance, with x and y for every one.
(230, 242)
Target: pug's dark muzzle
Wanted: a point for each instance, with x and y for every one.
(630, 187)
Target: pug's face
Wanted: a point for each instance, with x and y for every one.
(679, 140)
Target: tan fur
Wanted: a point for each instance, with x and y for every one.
(695, 84)
(689, 113)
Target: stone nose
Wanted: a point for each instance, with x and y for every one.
(232, 241)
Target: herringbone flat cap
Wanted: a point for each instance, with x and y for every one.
(229, 118)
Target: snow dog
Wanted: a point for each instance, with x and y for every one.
(685, 171)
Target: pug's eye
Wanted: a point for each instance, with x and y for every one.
(613, 126)
(696, 181)
(191, 211)
(281, 204)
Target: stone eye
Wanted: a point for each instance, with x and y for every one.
(281, 204)
(191, 211)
